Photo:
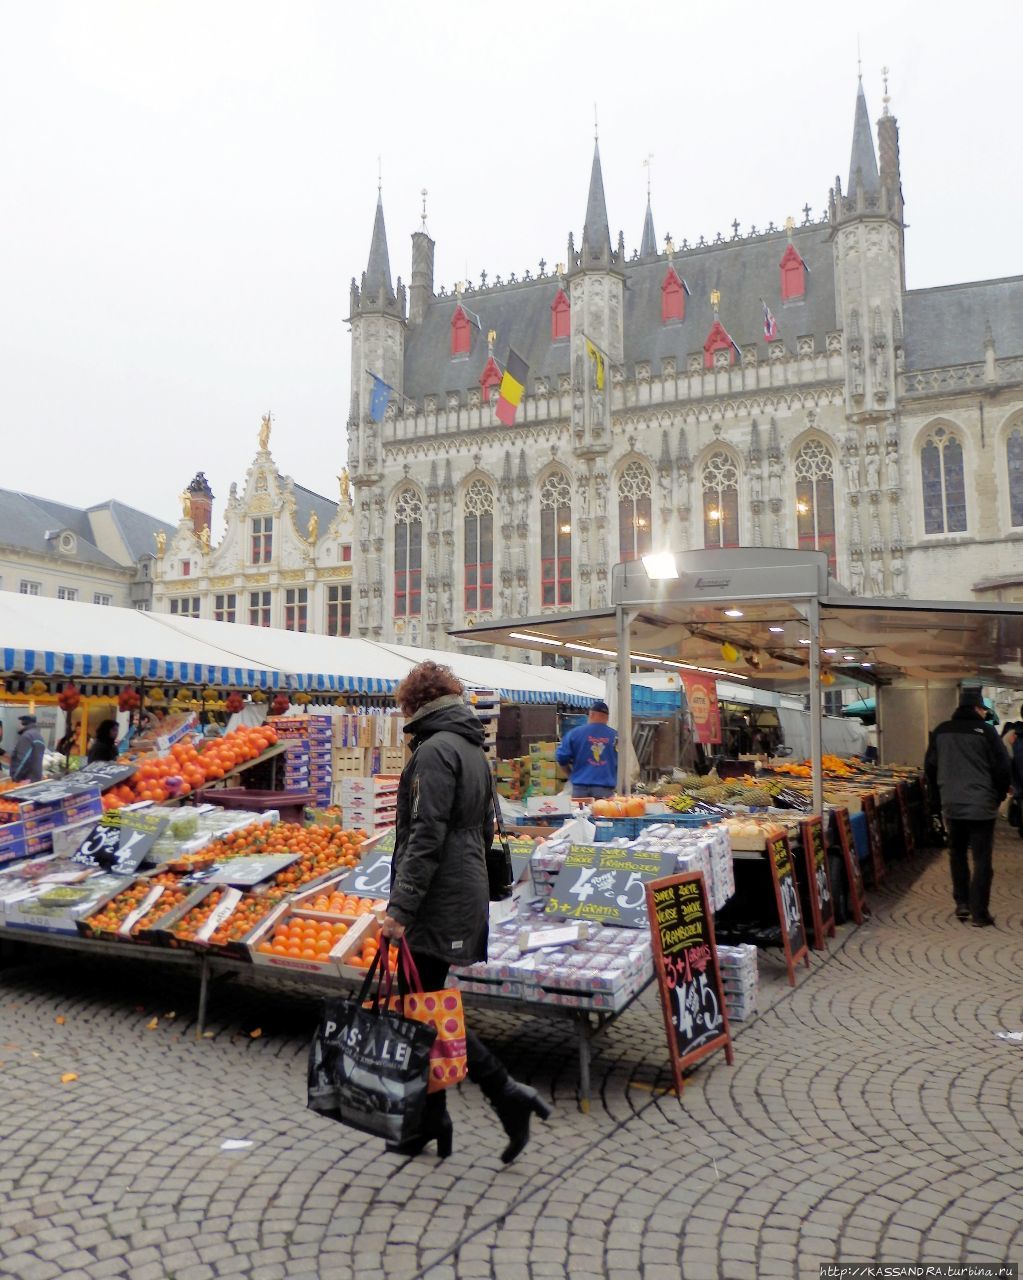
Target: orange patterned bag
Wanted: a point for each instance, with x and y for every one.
(443, 1010)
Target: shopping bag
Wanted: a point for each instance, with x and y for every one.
(321, 1091)
(377, 1061)
(442, 1010)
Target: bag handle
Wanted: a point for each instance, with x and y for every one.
(412, 978)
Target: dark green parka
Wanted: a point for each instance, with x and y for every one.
(439, 888)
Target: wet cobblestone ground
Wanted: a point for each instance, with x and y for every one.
(872, 1114)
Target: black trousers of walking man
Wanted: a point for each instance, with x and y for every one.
(973, 891)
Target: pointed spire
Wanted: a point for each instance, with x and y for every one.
(648, 247)
(665, 460)
(596, 246)
(863, 163)
(378, 271)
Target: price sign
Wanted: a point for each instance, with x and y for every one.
(249, 871)
(874, 838)
(786, 892)
(371, 878)
(686, 967)
(521, 851)
(847, 844)
(119, 845)
(815, 859)
(107, 773)
(607, 885)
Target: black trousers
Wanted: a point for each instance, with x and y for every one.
(973, 891)
(485, 1069)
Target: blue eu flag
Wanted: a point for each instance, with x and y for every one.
(379, 399)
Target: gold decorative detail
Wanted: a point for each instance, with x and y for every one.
(204, 538)
(314, 527)
(161, 542)
(715, 298)
(186, 505)
(293, 575)
(338, 573)
(257, 578)
(264, 432)
(225, 580)
(260, 503)
(344, 481)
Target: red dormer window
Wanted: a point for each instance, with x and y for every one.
(673, 297)
(717, 340)
(561, 317)
(461, 332)
(793, 276)
(489, 378)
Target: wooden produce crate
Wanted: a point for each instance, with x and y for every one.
(330, 964)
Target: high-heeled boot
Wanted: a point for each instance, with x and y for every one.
(436, 1125)
(515, 1104)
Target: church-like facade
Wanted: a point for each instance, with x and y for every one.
(776, 387)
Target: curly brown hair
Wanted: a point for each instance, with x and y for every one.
(424, 683)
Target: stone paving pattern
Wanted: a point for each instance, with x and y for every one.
(871, 1114)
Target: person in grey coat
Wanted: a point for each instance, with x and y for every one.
(970, 767)
(440, 897)
(28, 752)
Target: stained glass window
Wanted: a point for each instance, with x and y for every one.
(556, 540)
(408, 554)
(1014, 449)
(478, 557)
(944, 486)
(815, 499)
(634, 512)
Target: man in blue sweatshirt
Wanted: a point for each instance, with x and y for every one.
(590, 754)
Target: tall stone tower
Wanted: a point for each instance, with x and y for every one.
(597, 295)
(869, 277)
(378, 347)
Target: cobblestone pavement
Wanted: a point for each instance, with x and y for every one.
(871, 1114)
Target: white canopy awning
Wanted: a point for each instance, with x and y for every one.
(40, 636)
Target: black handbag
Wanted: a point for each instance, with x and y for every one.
(1015, 814)
(368, 1065)
(499, 864)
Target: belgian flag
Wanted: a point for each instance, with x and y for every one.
(513, 384)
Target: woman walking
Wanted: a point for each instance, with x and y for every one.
(439, 890)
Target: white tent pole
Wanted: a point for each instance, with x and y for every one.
(813, 617)
(623, 621)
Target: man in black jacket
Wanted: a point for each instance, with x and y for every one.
(970, 767)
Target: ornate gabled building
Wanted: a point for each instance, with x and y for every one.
(778, 387)
(284, 560)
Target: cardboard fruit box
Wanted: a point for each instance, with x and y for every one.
(333, 963)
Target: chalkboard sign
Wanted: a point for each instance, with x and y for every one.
(108, 773)
(786, 892)
(843, 837)
(687, 972)
(371, 878)
(874, 838)
(908, 836)
(251, 870)
(822, 904)
(521, 851)
(119, 845)
(52, 790)
(606, 884)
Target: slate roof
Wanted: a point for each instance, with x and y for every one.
(25, 520)
(947, 325)
(743, 271)
(307, 502)
(863, 159)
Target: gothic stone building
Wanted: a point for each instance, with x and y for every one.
(776, 388)
(283, 560)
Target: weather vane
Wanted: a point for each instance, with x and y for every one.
(649, 164)
(424, 193)
(886, 99)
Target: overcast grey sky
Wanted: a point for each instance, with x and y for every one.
(186, 189)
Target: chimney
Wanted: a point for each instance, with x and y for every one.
(421, 290)
(202, 503)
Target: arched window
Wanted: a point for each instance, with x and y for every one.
(720, 501)
(1014, 451)
(634, 512)
(408, 554)
(561, 317)
(941, 470)
(556, 540)
(479, 548)
(815, 499)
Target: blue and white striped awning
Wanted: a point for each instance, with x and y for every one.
(105, 666)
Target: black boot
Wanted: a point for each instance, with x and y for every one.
(515, 1103)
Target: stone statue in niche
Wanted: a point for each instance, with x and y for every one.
(378, 607)
(431, 609)
(872, 463)
(363, 607)
(582, 486)
(871, 439)
(431, 513)
(601, 485)
(378, 517)
(756, 482)
(877, 574)
(364, 530)
(898, 571)
(447, 507)
(523, 506)
(856, 371)
(666, 489)
(683, 491)
(446, 599)
(891, 465)
(506, 599)
(856, 574)
(585, 590)
(774, 467)
(852, 468)
(523, 600)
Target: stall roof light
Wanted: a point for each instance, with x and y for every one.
(733, 613)
(866, 664)
(777, 630)
(521, 635)
(660, 565)
(830, 650)
(588, 648)
(804, 642)
(849, 657)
